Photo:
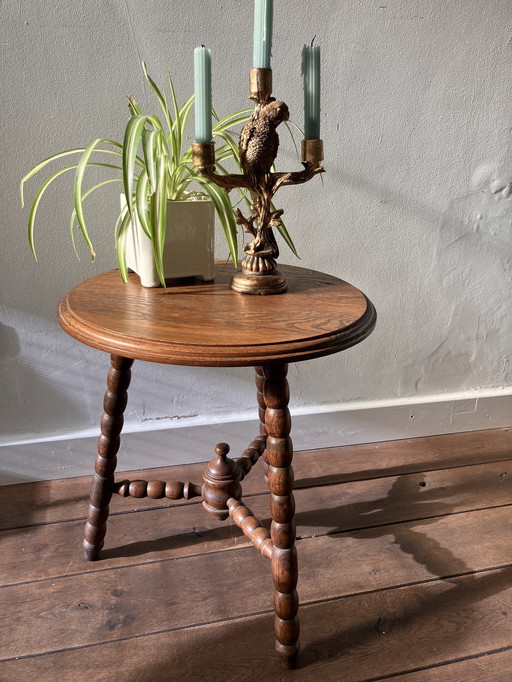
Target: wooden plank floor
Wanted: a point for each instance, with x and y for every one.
(405, 557)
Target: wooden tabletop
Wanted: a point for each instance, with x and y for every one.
(209, 325)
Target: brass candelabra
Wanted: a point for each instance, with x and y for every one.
(258, 150)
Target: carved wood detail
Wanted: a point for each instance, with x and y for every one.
(260, 380)
(114, 405)
(251, 526)
(156, 490)
(251, 455)
(279, 454)
(221, 482)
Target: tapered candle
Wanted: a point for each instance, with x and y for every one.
(311, 76)
(203, 94)
(263, 22)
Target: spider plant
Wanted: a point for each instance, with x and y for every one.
(154, 165)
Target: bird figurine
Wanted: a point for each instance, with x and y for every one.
(259, 140)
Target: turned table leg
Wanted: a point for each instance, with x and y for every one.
(114, 404)
(279, 454)
(260, 380)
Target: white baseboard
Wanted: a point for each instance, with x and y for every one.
(193, 440)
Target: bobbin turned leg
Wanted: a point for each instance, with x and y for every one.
(279, 455)
(114, 404)
(261, 411)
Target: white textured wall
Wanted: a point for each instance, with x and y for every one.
(415, 208)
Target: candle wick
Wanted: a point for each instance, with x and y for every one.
(313, 40)
(203, 45)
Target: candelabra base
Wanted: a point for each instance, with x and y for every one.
(264, 284)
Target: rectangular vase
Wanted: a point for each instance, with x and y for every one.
(189, 243)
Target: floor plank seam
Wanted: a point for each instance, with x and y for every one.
(418, 519)
(270, 611)
(142, 635)
(398, 471)
(342, 481)
(440, 664)
(111, 515)
(402, 586)
(246, 496)
(249, 546)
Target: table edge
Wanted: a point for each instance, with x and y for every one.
(215, 356)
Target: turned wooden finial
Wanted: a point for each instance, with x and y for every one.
(222, 469)
(221, 482)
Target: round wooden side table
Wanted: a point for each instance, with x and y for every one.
(209, 325)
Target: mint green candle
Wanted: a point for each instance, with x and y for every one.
(203, 94)
(263, 23)
(311, 78)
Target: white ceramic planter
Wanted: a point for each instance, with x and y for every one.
(188, 250)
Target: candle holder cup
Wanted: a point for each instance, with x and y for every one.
(260, 86)
(312, 151)
(258, 146)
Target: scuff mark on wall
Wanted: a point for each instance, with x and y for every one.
(438, 365)
(473, 254)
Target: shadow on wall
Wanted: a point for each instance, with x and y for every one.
(30, 374)
(51, 391)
